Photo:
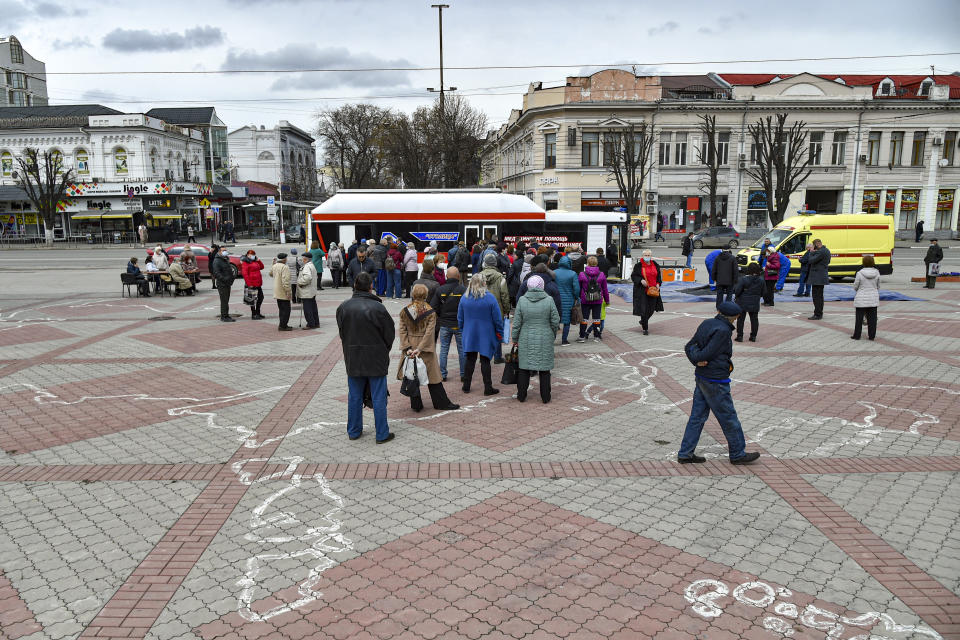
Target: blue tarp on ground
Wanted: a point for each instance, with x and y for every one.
(690, 292)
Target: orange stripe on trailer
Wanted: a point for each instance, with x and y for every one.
(415, 217)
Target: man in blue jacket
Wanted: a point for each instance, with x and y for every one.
(711, 352)
(708, 262)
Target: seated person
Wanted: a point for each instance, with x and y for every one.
(184, 286)
(141, 279)
(188, 260)
(153, 274)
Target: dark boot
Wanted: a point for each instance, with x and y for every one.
(438, 395)
(545, 388)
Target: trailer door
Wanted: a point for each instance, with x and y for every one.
(596, 237)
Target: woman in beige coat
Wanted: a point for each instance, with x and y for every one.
(282, 291)
(417, 339)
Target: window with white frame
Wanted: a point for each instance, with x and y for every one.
(6, 164)
(82, 161)
(886, 88)
(896, 148)
(816, 147)
(120, 161)
(925, 88)
(590, 150)
(680, 149)
(663, 157)
(838, 152)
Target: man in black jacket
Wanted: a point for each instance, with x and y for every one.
(686, 249)
(711, 352)
(445, 301)
(818, 276)
(366, 335)
(222, 272)
(725, 273)
(360, 264)
(934, 256)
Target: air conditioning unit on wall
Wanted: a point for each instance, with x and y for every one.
(651, 209)
(742, 164)
(863, 158)
(651, 196)
(937, 142)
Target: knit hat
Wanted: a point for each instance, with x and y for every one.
(306, 254)
(534, 282)
(281, 256)
(770, 249)
(293, 252)
(726, 308)
(490, 260)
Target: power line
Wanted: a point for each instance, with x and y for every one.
(498, 67)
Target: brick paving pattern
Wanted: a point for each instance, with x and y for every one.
(188, 480)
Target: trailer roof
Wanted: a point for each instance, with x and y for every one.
(467, 205)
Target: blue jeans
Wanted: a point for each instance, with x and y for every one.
(381, 282)
(378, 390)
(445, 334)
(566, 333)
(802, 287)
(690, 260)
(713, 396)
(394, 283)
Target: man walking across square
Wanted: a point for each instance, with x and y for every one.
(711, 352)
(366, 335)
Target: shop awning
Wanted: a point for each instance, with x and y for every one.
(97, 216)
(85, 216)
(164, 216)
(116, 216)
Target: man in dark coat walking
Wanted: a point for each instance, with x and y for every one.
(919, 231)
(366, 335)
(686, 249)
(934, 256)
(725, 273)
(710, 351)
(819, 276)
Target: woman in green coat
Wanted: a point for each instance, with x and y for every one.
(535, 325)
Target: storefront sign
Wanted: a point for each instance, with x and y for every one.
(757, 200)
(436, 236)
(553, 180)
(605, 202)
(693, 204)
(21, 218)
(909, 199)
(159, 203)
(945, 200)
(138, 188)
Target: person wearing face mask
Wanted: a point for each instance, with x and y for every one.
(222, 272)
(646, 278)
(250, 268)
(307, 290)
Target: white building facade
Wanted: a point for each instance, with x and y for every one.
(283, 154)
(129, 169)
(876, 144)
(23, 78)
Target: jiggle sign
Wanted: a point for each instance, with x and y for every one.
(707, 597)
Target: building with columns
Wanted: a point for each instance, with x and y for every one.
(876, 144)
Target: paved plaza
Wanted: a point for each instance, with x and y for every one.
(167, 476)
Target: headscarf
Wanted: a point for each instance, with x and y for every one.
(534, 282)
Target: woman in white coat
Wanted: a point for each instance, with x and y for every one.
(867, 298)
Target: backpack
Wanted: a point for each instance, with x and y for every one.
(389, 264)
(593, 289)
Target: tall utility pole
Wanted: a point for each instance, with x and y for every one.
(440, 8)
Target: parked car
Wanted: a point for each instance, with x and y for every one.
(293, 233)
(202, 253)
(717, 238)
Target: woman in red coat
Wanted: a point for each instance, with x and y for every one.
(771, 272)
(250, 268)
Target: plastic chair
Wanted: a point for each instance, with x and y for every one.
(128, 280)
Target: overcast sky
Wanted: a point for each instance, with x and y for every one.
(109, 35)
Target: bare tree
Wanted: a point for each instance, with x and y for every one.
(44, 180)
(627, 153)
(353, 139)
(708, 155)
(413, 152)
(460, 132)
(300, 182)
(781, 161)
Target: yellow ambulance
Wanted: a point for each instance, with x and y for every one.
(849, 237)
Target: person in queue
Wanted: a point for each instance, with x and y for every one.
(426, 277)
(480, 318)
(568, 286)
(747, 293)
(366, 336)
(535, 325)
(410, 268)
(214, 251)
(360, 264)
(646, 275)
(867, 298)
(593, 295)
(282, 290)
(336, 263)
(771, 273)
(251, 269)
(497, 285)
(417, 323)
(446, 301)
(819, 276)
(307, 290)
(710, 351)
(222, 272)
(317, 256)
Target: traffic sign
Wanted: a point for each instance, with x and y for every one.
(216, 208)
(271, 201)
(204, 203)
(209, 213)
(271, 213)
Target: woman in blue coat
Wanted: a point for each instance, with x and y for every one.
(481, 323)
(569, 287)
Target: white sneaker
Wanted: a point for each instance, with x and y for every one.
(596, 339)
(581, 340)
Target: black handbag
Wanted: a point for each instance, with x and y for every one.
(510, 368)
(410, 387)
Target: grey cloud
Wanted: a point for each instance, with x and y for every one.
(132, 40)
(666, 27)
(14, 13)
(55, 10)
(100, 95)
(723, 23)
(309, 56)
(75, 43)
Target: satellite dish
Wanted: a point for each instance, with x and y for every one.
(944, 162)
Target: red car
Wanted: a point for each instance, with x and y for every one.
(202, 253)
